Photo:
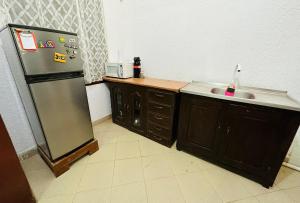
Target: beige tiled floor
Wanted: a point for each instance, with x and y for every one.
(129, 168)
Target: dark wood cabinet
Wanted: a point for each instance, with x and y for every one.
(145, 110)
(14, 186)
(162, 116)
(137, 109)
(200, 125)
(248, 139)
(119, 103)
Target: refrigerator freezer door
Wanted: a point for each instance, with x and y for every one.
(48, 60)
(63, 110)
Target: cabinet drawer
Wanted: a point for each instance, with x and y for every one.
(160, 120)
(158, 132)
(161, 97)
(255, 111)
(158, 108)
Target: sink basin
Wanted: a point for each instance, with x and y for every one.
(239, 94)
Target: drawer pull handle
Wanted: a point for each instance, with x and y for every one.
(154, 136)
(158, 129)
(159, 107)
(158, 138)
(158, 118)
(159, 95)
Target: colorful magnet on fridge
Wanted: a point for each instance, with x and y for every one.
(58, 57)
(61, 39)
(50, 44)
(41, 44)
(47, 44)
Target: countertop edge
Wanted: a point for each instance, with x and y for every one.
(176, 90)
(241, 100)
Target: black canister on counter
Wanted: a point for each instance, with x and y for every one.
(136, 67)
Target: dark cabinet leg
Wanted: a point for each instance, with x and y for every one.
(178, 147)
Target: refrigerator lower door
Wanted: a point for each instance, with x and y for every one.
(63, 110)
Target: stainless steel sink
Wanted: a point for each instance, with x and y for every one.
(239, 94)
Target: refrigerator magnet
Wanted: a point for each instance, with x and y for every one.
(58, 57)
(61, 39)
(27, 40)
(50, 44)
(41, 44)
(47, 44)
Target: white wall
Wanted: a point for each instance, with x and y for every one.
(120, 30)
(99, 101)
(205, 39)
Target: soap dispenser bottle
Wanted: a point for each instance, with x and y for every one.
(235, 82)
(236, 75)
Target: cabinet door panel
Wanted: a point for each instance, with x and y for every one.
(137, 109)
(250, 139)
(198, 125)
(119, 104)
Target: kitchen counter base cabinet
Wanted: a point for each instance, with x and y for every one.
(148, 111)
(247, 139)
(119, 104)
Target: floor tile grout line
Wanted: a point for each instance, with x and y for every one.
(127, 183)
(236, 200)
(180, 188)
(113, 176)
(140, 148)
(213, 186)
(80, 179)
(281, 190)
(139, 153)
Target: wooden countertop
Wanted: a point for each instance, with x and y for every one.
(170, 85)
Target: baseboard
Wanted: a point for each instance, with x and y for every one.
(101, 120)
(27, 154)
(291, 166)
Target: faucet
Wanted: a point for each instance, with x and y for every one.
(236, 74)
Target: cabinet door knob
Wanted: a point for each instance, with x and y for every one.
(228, 130)
(219, 125)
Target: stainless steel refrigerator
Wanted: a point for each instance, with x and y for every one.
(47, 70)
